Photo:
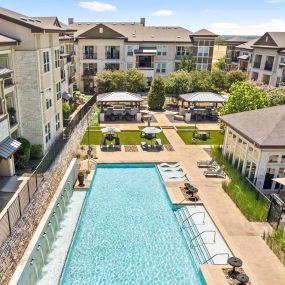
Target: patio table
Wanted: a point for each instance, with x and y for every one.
(234, 262)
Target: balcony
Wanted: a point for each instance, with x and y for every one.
(89, 72)
(268, 66)
(256, 64)
(8, 83)
(114, 55)
(90, 56)
(71, 80)
(12, 117)
(62, 75)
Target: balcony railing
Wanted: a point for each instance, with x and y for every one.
(268, 66)
(180, 56)
(145, 66)
(256, 64)
(90, 72)
(12, 117)
(90, 56)
(8, 83)
(115, 55)
(71, 79)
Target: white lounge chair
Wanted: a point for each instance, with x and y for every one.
(175, 175)
(206, 163)
(167, 169)
(169, 165)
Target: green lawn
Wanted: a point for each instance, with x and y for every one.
(126, 138)
(216, 138)
(95, 128)
(241, 192)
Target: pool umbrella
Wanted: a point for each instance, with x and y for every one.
(110, 130)
(151, 130)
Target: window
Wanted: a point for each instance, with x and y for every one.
(183, 50)
(273, 158)
(202, 66)
(160, 67)
(130, 51)
(89, 69)
(58, 90)
(62, 49)
(56, 58)
(282, 60)
(270, 173)
(283, 159)
(47, 132)
(162, 50)
(57, 122)
(203, 51)
(90, 52)
(112, 52)
(1, 107)
(46, 61)
(129, 65)
(48, 97)
(112, 66)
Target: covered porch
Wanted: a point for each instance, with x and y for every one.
(119, 106)
(200, 106)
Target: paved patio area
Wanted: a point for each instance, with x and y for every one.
(243, 237)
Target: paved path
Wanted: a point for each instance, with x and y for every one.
(243, 237)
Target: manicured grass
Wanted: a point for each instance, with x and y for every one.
(95, 128)
(276, 241)
(216, 138)
(126, 138)
(242, 192)
(185, 127)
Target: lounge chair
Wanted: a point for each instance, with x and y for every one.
(218, 172)
(103, 144)
(206, 163)
(167, 169)
(144, 145)
(158, 144)
(175, 175)
(169, 165)
(117, 145)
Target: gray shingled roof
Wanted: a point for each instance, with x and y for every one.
(203, 97)
(119, 97)
(4, 40)
(248, 45)
(238, 39)
(8, 147)
(205, 33)
(264, 127)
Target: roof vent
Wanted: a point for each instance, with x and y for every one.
(178, 37)
(79, 24)
(101, 30)
(38, 20)
(30, 19)
(152, 36)
(132, 23)
(23, 18)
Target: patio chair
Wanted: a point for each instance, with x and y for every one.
(167, 169)
(176, 175)
(169, 165)
(206, 163)
(117, 145)
(218, 172)
(158, 144)
(103, 144)
(144, 145)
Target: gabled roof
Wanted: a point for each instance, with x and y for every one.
(203, 97)
(7, 41)
(119, 97)
(137, 32)
(248, 45)
(264, 127)
(271, 40)
(204, 33)
(36, 24)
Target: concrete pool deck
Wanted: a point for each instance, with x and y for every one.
(243, 237)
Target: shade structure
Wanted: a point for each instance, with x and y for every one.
(119, 97)
(66, 96)
(151, 130)
(8, 147)
(203, 97)
(110, 130)
(280, 180)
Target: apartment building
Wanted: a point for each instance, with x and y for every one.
(153, 50)
(8, 107)
(263, 58)
(37, 74)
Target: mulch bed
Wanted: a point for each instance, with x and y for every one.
(232, 281)
(169, 147)
(131, 148)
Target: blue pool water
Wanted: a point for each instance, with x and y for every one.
(127, 232)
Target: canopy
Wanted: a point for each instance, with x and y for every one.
(119, 97)
(146, 50)
(8, 147)
(66, 96)
(280, 180)
(243, 57)
(201, 97)
(110, 130)
(151, 130)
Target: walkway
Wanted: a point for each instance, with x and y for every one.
(243, 237)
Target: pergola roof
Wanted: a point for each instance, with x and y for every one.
(119, 97)
(203, 97)
(280, 180)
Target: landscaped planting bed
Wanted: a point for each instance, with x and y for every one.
(216, 138)
(241, 191)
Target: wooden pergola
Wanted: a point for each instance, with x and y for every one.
(119, 97)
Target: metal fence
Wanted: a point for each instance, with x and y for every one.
(19, 202)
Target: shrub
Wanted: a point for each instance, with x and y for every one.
(66, 110)
(22, 156)
(218, 79)
(276, 97)
(156, 95)
(234, 76)
(36, 151)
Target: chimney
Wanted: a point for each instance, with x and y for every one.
(70, 21)
(143, 21)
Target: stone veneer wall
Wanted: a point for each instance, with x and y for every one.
(14, 247)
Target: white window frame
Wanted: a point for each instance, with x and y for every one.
(56, 58)
(48, 132)
(58, 90)
(46, 61)
(162, 50)
(205, 51)
(184, 50)
(160, 67)
(130, 50)
(201, 66)
(57, 122)
(48, 98)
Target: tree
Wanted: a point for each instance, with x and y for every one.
(276, 97)
(178, 82)
(66, 110)
(234, 76)
(186, 63)
(218, 80)
(136, 81)
(244, 96)
(104, 82)
(220, 64)
(156, 95)
(201, 80)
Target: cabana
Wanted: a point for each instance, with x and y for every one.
(194, 99)
(113, 112)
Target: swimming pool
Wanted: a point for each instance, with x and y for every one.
(127, 232)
